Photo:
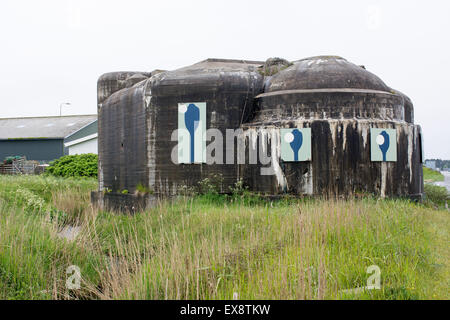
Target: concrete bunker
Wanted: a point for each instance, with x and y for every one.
(316, 126)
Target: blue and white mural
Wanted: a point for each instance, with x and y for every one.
(296, 144)
(383, 144)
(192, 132)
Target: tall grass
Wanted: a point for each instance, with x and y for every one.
(436, 196)
(214, 247)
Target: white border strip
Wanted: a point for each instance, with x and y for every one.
(89, 137)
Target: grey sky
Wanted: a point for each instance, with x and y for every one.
(54, 51)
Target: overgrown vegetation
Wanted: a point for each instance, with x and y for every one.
(82, 165)
(430, 175)
(214, 247)
(437, 195)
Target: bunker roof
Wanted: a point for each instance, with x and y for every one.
(215, 65)
(325, 72)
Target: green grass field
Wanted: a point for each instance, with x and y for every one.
(217, 247)
(430, 175)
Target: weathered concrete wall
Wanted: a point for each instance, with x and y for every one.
(114, 81)
(341, 163)
(122, 144)
(227, 87)
(328, 104)
(130, 203)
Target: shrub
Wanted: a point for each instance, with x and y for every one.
(141, 189)
(437, 195)
(210, 185)
(82, 165)
(30, 201)
(238, 189)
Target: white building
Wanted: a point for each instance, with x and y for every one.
(430, 164)
(83, 140)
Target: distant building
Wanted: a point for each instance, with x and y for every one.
(48, 138)
(83, 140)
(430, 164)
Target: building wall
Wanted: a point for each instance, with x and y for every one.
(122, 129)
(228, 95)
(89, 146)
(431, 164)
(37, 149)
(341, 164)
(88, 130)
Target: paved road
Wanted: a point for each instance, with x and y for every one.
(446, 182)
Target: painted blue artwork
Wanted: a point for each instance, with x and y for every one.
(191, 132)
(383, 144)
(296, 144)
(191, 120)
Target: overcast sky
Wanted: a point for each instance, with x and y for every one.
(54, 51)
